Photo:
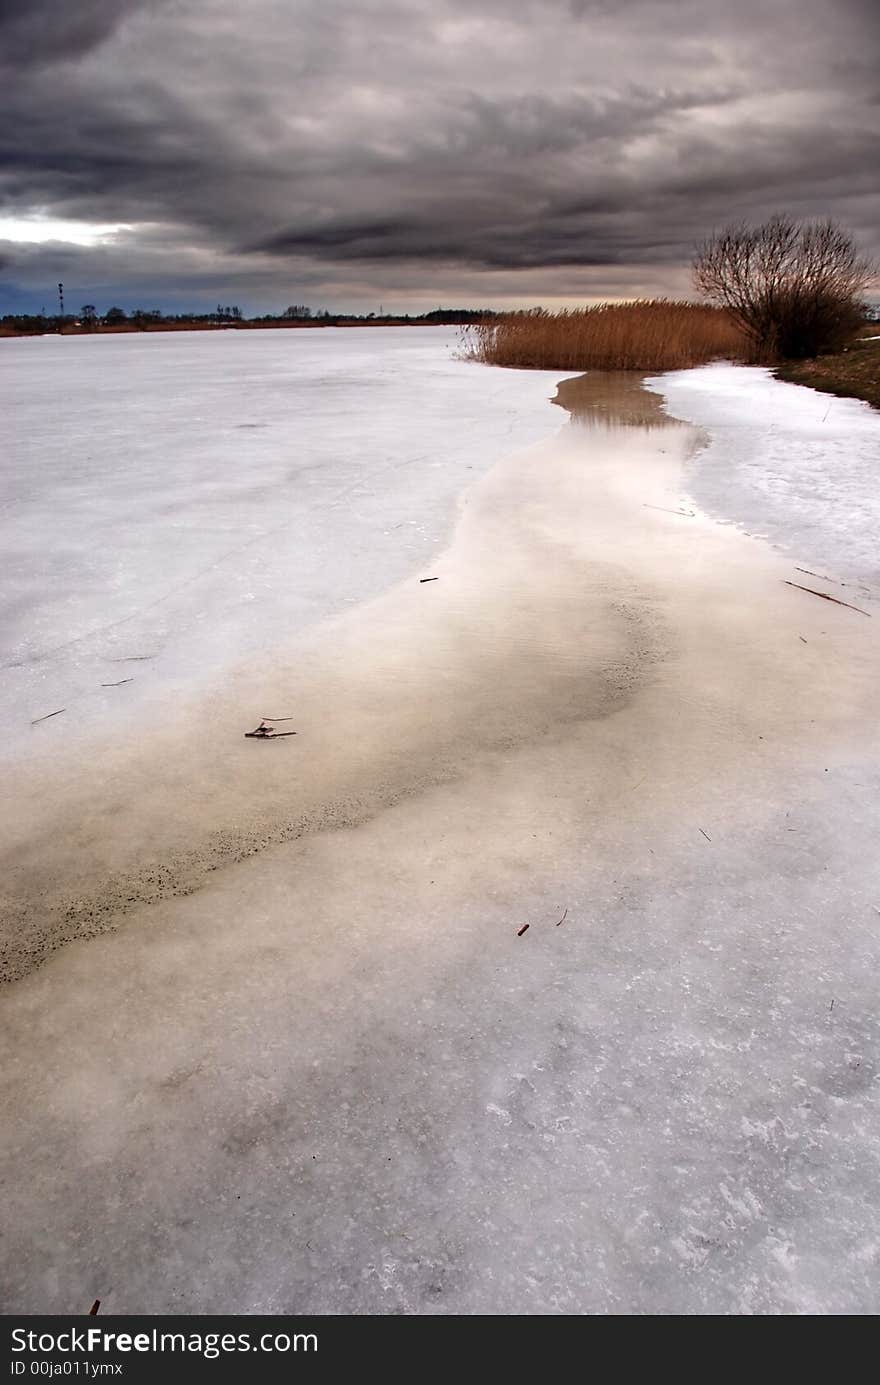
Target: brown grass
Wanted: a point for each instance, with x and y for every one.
(854, 372)
(650, 334)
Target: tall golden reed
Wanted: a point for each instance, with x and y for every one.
(649, 334)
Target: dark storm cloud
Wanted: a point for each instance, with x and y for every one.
(369, 146)
(34, 33)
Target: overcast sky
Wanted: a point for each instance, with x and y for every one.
(408, 153)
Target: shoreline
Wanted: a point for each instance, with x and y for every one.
(850, 374)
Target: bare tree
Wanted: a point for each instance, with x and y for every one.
(793, 288)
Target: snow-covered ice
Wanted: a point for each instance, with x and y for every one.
(173, 503)
(790, 463)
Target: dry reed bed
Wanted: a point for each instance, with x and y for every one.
(650, 334)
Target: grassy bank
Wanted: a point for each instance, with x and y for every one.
(651, 334)
(854, 372)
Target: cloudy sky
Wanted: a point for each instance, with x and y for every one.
(408, 153)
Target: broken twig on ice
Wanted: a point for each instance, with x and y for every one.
(823, 577)
(686, 514)
(268, 733)
(48, 715)
(826, 597)
(562, 920)
(524, 929)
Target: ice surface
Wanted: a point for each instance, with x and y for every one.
(172, 503)
(336, 1078)
(801, 467)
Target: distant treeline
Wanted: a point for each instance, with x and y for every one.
(145, 320)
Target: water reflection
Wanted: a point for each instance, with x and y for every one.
(605, 397)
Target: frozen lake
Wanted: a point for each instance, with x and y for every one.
(277, 1003)
(172, 503)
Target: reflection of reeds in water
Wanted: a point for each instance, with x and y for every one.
(609, 398)
(651, 334)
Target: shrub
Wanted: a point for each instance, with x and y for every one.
(793, 289)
